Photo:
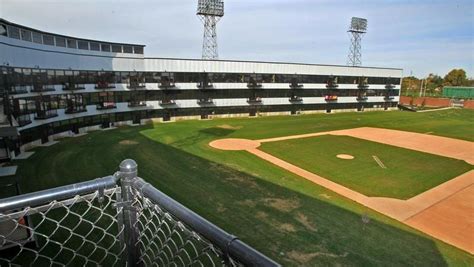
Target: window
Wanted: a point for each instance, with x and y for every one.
(94, 46)
(117, 48)
(71, 43)
(48, 39)
(25, 35)
(83, 45)
(138, 50)
(3, 30)
(60, 41)
(127, 49)
(105, 47)
(13, 32)
(37, 38)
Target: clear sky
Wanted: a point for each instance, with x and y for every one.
(419, 36)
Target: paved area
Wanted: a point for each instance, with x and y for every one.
(25, 155)
(445, 212)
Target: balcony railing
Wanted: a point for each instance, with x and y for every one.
(295, 85)
(102, 85)
(136, 103)
(73, 86)
(75, 109)
(205, 101)
(205, 85)
(254, 100)
(117, 220)
(166, 84)
(296, 99)
(39, 88)
(19, 89)
(136, 85)
(23, 120)
(167, 102)
(46, 114)
(362, 98)
(330, 97)
(106, 105)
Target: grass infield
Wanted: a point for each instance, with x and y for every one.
(292, 220)
(407, 173)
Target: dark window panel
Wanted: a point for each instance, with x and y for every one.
(117, 48)
(48, 39)
(84, 45)
(94, 46)
(127, 49)
(13, 32)
(60, 41)
(138, 50)
(71, 43)
(105, 47)
(37, 38)
(25, 35)
(3, 30)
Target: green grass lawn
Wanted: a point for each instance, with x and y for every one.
(288, 218)
(407, 173)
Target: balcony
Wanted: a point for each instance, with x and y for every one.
(166, 84)
(39, 88)
(23, 119)
(363, 86)
(255, 100)
(106, 105)
(205, 85)
(254, 84)
(295, 85)
(136, 85)
(362, 98)
(205, 101)
(389, 97)
(167, 102)
(332, 83)
(75, 109)
(18, 90)
(73, 87)
(330, 98)
(46, 114)
(389, 86)
(136, 104)
(295, 99)
(102, 85)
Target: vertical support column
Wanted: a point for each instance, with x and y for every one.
(128, 171)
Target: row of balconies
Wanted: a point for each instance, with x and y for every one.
(25, 119)
(38, 88)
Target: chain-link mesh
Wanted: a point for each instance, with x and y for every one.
(165, 241)
(80, 231)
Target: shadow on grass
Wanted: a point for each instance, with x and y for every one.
(290, 227)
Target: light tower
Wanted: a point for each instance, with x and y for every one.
(357, 29)
(210, 12)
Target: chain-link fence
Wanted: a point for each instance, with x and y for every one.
(118, 220)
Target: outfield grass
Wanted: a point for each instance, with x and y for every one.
(288, 218)
(407, 173)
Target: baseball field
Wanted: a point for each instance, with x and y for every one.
(290, 218)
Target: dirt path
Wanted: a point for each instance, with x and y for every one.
(445, 212)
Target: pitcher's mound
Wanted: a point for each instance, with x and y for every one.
(345, 156)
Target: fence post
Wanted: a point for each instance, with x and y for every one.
(128, 171)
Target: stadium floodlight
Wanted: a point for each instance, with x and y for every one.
(210, 12)
(357, 29)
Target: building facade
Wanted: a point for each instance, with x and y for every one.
(54, 84)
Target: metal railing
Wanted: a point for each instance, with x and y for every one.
(118, 220)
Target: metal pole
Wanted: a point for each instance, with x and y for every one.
(128, 171)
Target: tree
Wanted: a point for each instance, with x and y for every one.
(410, 85)
(434, 84)
(456, 77)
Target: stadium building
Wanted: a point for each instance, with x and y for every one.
(55, 85)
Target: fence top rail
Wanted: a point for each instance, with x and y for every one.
(57, 193)
(228, 243)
